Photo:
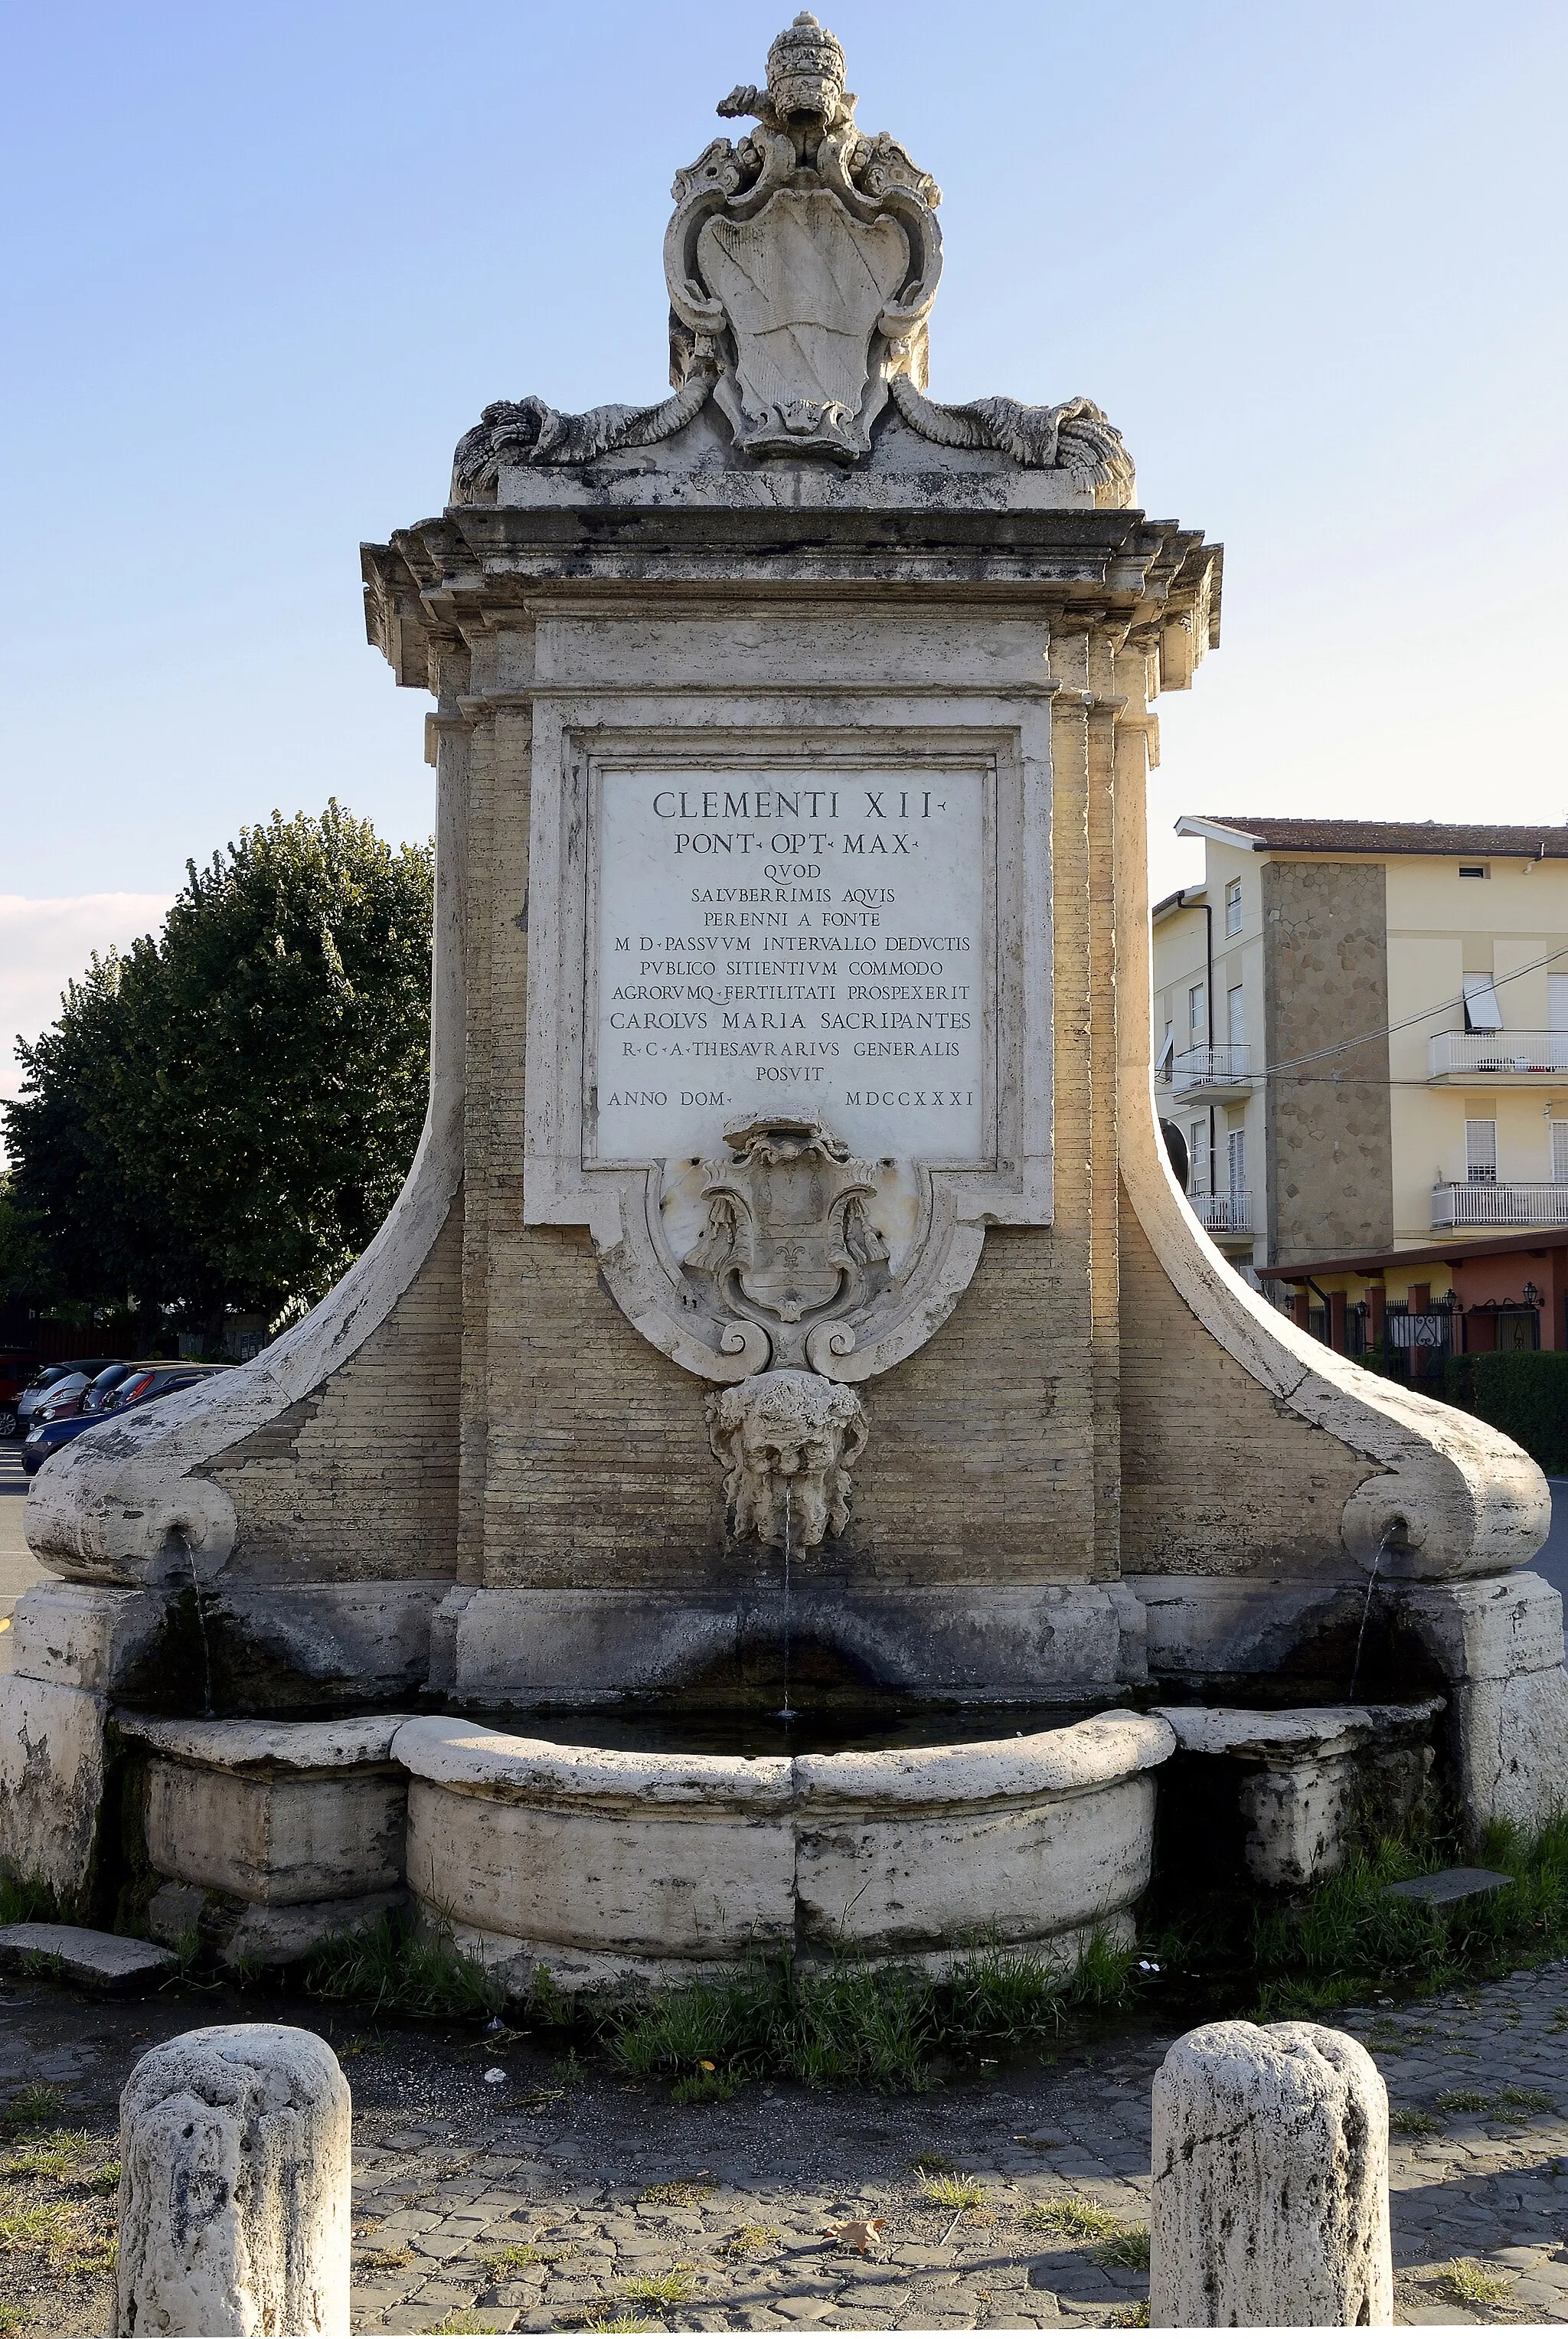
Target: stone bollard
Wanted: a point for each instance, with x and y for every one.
(1271, 2200)
(234, 2187)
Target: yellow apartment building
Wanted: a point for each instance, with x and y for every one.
(1361, 1035)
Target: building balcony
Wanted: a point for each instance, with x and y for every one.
(1219, 1074)
(1484, 1204)
(1497, 1059)
(1227, 1214)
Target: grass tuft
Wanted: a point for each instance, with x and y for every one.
(516, 2255)
(703, 2087)
(1129, 2249)
(392, 1969)
(69, 2236)
(27, 1904)
(1346, 1941)
(1073, 2217)
(657, 2290)
(54, 2156)
(378, 2261)
(679, 2192)
(853, 2024)
(34, 2107)
(1462, 2099)
(1407, 2123)
(1474, 2285)
(547, 2001)
(750, 2242)
(944, 2192)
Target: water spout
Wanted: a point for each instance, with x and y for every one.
(1383, 1541)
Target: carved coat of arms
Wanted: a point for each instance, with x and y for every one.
(788, 1244)
(803, 261)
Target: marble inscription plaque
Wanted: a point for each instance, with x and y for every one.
(768, 943)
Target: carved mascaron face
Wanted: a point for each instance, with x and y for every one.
(787, 1440)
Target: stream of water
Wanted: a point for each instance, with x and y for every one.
(787, 1712)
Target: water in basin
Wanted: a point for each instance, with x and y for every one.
(827, 1730)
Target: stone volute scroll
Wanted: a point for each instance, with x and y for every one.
(802, 262)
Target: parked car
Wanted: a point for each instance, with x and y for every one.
(49, 1378)
(15, 1371)
(141, 1385)
(76, 1394)
(65, 1397)
(99, 1390)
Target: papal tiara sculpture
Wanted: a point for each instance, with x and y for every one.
(802, 264)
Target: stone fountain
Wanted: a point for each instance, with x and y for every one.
(791, 1196)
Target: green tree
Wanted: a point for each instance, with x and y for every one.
(21, 1259)
(220, 1118)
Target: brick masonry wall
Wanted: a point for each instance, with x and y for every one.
(1330, 1141)
(360, 1479)
(1217, 1478)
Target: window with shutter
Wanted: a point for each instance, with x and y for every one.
(1560, 1153)
(1236, 1016)
(1482, 1013)
(1481, 1152)
(1235, 1159)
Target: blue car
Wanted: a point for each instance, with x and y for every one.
(140, 1385)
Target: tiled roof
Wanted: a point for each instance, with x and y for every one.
(1435, 837)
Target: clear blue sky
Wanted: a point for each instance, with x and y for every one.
(264, 264)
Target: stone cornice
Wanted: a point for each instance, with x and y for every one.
(444, 580)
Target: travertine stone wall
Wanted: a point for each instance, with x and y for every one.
(360, 1478)
(1218, 1476)
(1330, 1143)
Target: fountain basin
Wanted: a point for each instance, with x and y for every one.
(617, 1868)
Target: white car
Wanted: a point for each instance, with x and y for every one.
(55, 1382)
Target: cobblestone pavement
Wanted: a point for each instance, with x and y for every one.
(556, 2197)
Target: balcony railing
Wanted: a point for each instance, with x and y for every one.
(1496, 1054)
(1212, 1068)
(1482, 1204)
(1227, 1214)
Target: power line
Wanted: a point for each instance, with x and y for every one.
(1386, 1031)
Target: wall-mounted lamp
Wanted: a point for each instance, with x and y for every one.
(1532, 1296)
